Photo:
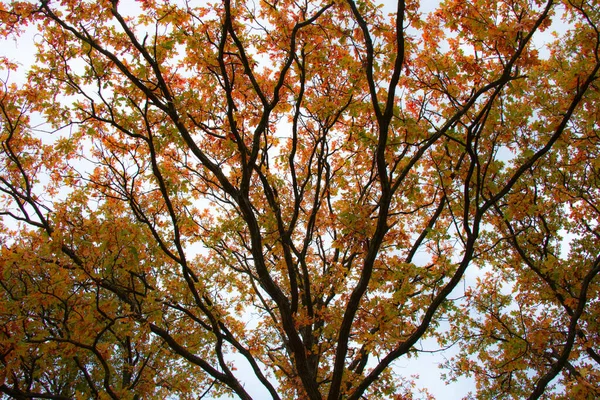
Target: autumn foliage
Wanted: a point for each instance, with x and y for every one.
(203, 199)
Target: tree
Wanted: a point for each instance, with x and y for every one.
(312, 186)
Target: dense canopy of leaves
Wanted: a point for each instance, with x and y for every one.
(307, 188)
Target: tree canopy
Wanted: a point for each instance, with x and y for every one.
(308, 188)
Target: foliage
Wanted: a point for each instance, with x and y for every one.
(311, 187)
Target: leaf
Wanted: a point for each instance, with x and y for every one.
(316, 188)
